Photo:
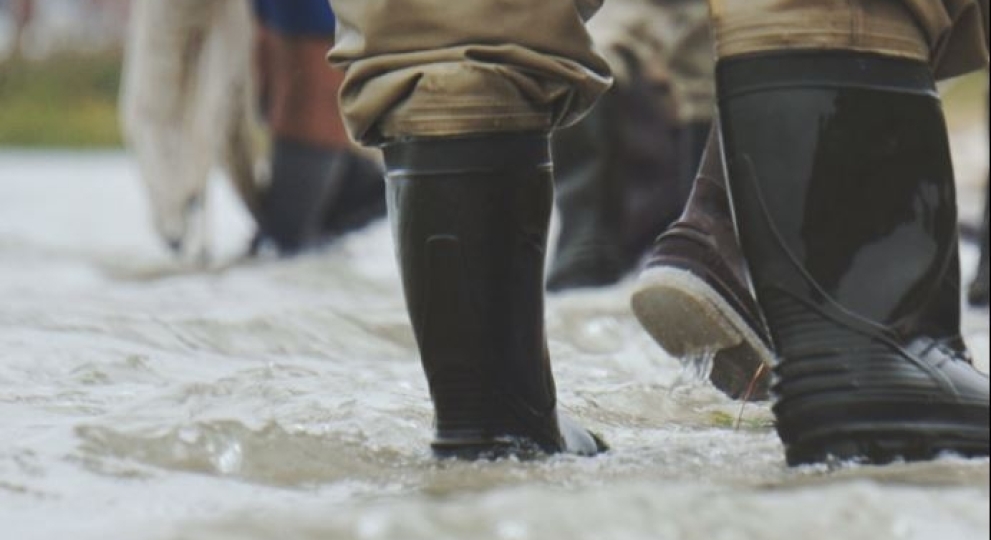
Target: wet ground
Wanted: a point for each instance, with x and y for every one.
(283, 399)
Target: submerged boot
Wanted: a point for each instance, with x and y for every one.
(843, 195)
(470, 219)
(693, 295)
(617, 183)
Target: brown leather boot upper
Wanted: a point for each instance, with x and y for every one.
(703, 242)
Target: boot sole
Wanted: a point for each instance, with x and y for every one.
(488, 450)
(886, 431)
(689, 319)
(475, 448)
(520, 448)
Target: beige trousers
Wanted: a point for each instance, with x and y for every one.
(447, 68)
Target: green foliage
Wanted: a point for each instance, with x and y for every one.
(64, 101)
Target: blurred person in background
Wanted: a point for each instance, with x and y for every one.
(320, 185)
(22, 12)
(624, 172)
(187, 105)
(195, 74)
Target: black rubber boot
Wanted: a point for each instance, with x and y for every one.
(620, 178)
(316, 195)
(470, 219)
(843, 194)
(589, 195)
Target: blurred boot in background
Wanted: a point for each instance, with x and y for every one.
(977, 294)
(590, 200)
(321, 185)
(616, 185)
(624, 172)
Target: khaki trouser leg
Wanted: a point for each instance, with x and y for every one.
(948, 34)
(441, 67)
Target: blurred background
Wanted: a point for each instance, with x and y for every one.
(60, 73)
(60, 64)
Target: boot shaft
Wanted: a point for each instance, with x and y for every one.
(470, 220)
(850, 171)
(843, 197)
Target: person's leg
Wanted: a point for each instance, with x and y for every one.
(462, 108)
(693, 295)
(625, 171)
(319, 187)
(589, 187)
(842, 192)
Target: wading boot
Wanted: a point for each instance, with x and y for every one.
(589, 195)
(693, 295)
(617, 183)
(843, 195)
(470, 219)
(316, 195)
(361, 200)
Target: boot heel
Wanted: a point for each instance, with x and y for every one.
(693, 321)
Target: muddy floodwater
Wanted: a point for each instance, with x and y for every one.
(283, 399)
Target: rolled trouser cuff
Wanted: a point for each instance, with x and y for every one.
(885, 27)
(949, 35)
(433, 68)
(466, 90)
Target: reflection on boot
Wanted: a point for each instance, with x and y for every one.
(843, 193)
